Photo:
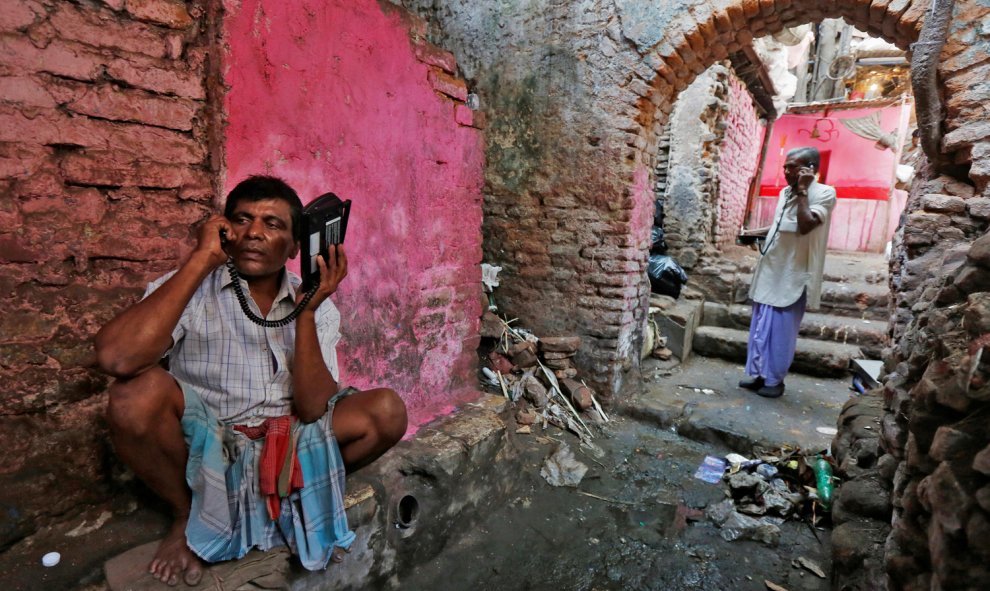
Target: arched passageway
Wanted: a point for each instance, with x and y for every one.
(577, 96)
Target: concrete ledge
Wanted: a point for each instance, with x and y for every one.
(678, 324)
(447, 476)
(455, 468)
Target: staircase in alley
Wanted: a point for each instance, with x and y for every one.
(851, 323)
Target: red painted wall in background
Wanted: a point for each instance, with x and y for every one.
(865, 216)
(856, 169)
(330, 96)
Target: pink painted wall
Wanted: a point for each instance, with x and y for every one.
(861, 174)
(330, 95)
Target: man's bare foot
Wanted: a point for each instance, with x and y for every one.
(174, 559)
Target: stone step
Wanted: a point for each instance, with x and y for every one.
(870, 335)
(841, 298)
(813, 357)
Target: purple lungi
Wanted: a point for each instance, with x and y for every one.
(773, 336)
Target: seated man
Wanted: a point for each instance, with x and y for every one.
(247, 435)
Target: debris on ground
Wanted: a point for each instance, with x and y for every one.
(654, 341)
(711, 470)
(766, 490)
(810, 566)
(539, 376)
(561, 468)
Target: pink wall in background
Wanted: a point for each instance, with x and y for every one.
(855, 167)
(330, 95)
(861, 174)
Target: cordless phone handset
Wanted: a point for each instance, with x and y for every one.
(324, 222)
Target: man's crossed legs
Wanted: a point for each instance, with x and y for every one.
(145, 415)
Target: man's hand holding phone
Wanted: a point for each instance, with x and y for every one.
(806, 176)
(210, 242)
(332, 272)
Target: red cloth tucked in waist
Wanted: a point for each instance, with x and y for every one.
(279, 472)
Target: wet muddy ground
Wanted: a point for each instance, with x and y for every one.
(643, 529)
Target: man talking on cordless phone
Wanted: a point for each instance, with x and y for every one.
(788, 276)
(247, 434)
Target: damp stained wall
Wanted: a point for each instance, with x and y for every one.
(337, 96)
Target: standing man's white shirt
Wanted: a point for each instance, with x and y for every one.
(794, 262)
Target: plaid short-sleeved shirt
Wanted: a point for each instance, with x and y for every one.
(242, 371)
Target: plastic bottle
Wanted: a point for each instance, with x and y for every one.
(823, 481)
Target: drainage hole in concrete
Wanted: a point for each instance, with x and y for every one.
(407, 511)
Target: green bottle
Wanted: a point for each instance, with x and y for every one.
(823, 480)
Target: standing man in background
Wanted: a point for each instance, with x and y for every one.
(788, 276)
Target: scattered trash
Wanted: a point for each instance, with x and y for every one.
(766, 490)
(736, 458)
(490, 376)
(857, 385)
(524, 430)
(489, 277)
(810, 566)
(600, 498)
(662, 353)
(823, 481)
(561, 468)
(767, 471)
(774, 586)
(827, 430)
(711, 470)
(743, 527)
(666, 276)
(526, 417)
(51, 559)
(598, 407)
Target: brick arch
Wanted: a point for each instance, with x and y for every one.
(700, 39)
(703, 39)
(929, 289)
(693, 42)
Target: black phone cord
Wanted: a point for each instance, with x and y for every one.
(242, 300)
(765, 247)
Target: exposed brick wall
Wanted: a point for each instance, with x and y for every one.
(715, 142)
(937, 401)
(691, 198)
(738, 159)
(104, 165)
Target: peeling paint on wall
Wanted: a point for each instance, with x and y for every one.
(331, 96)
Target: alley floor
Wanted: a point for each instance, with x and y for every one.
(636, 519)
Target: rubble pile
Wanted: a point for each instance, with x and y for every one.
(539, 376)
(764, 492)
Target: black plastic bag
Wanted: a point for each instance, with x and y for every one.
(657, 244)
(666, 276)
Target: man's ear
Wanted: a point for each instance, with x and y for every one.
(295, 250)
